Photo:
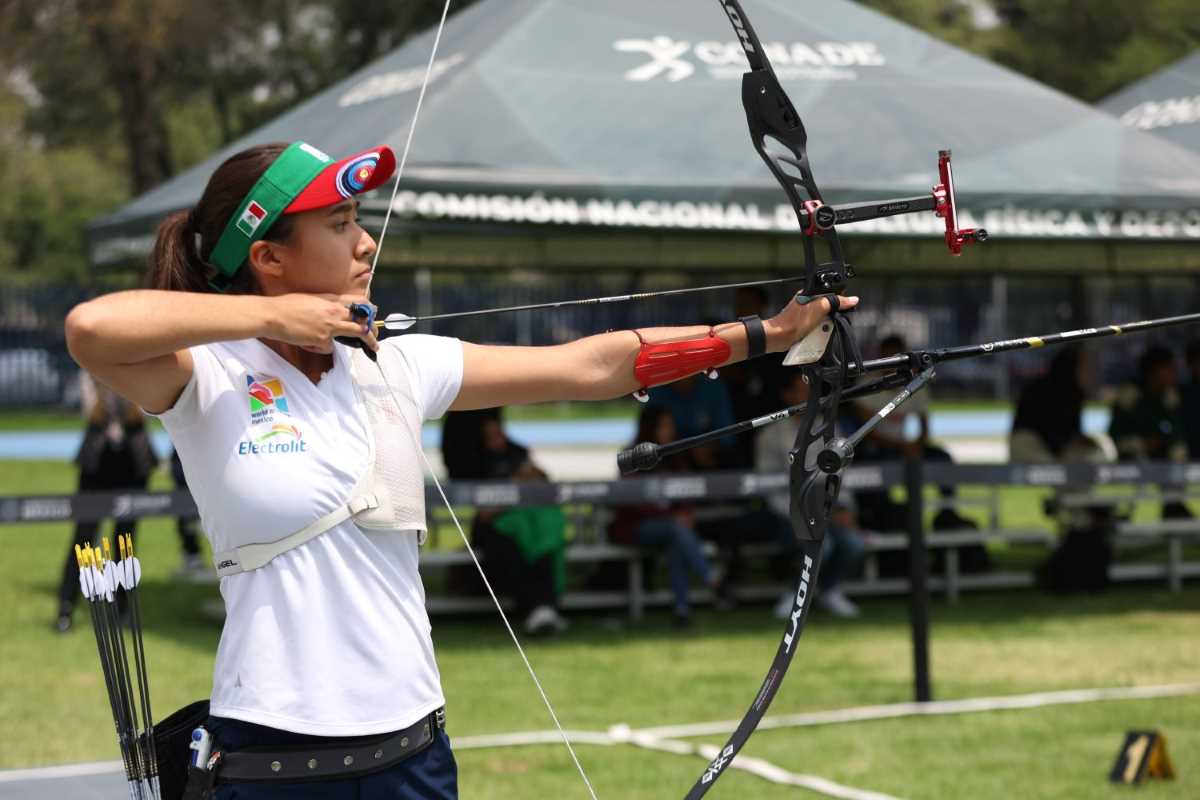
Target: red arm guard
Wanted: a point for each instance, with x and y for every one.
(665, 362)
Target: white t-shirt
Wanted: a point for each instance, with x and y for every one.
(330, 638)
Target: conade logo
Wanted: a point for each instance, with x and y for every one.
(675, 59)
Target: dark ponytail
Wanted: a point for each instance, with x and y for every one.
(185, 239)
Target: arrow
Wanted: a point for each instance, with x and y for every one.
(131, 574)
(402, 322)
(100, 578)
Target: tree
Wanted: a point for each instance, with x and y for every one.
(1086, 48)
(101, 88)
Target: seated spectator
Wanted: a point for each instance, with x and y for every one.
(1048, 423)
(842, 550)
(1048, 428)
(698, 405)
(115, 454)
(669, 527)
(1189, 395)
(522, 549)
(462, 433)
(892, 441)
(753, 385)
(1147, 417)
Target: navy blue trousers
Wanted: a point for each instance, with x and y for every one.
(429, 775)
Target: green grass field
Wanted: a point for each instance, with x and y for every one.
(53, 710)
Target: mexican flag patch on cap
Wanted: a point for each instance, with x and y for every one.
(251, 218)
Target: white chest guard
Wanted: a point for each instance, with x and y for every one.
(390, 495)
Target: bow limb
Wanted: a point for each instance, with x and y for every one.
(417, 443)
(779, 137)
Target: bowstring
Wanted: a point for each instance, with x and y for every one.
(488, 585)
(437, 39)
(417, 443)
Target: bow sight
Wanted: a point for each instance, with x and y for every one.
(815, 216)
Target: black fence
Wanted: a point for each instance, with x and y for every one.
(96, 506)
(36, 370)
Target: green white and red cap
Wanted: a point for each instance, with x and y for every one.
(301, 178)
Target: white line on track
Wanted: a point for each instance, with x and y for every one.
(756, 766)
(935, 708)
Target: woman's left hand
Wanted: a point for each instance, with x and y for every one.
(798, 319)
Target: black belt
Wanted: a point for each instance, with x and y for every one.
(353, 758)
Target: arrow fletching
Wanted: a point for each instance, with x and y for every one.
(133, 566)
(397, 322)
(85, 575)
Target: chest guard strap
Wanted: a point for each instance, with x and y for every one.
(252, 556)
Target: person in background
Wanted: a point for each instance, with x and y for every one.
(193, 567)
(842, 550)
(1147, 418)
(462, 432)
(1048, 423)
(526, 556)
(115, 454)
(753, 385)
(667, 526)
(891, 441)
(696, 405)
(1189, 395)
(1048, 428)
(523, 549)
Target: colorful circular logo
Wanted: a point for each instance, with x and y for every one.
(352, 178)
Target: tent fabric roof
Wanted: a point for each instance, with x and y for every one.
(1166, 103)
(573, 104)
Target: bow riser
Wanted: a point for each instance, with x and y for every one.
(780, 140)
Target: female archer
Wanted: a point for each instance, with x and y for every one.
(302, 457)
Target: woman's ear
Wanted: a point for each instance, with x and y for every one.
(266, 259)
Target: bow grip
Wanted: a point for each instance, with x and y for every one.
(364, 311)
(810, 349)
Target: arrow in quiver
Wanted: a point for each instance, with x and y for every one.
(118, 637)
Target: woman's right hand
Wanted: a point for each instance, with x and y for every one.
(311, 321)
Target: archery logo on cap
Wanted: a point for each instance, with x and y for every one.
(251, 218)
(353, 176)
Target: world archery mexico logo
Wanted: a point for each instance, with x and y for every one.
(269, 411)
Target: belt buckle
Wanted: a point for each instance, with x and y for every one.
(440, 715)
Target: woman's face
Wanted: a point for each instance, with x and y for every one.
(327, 253)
